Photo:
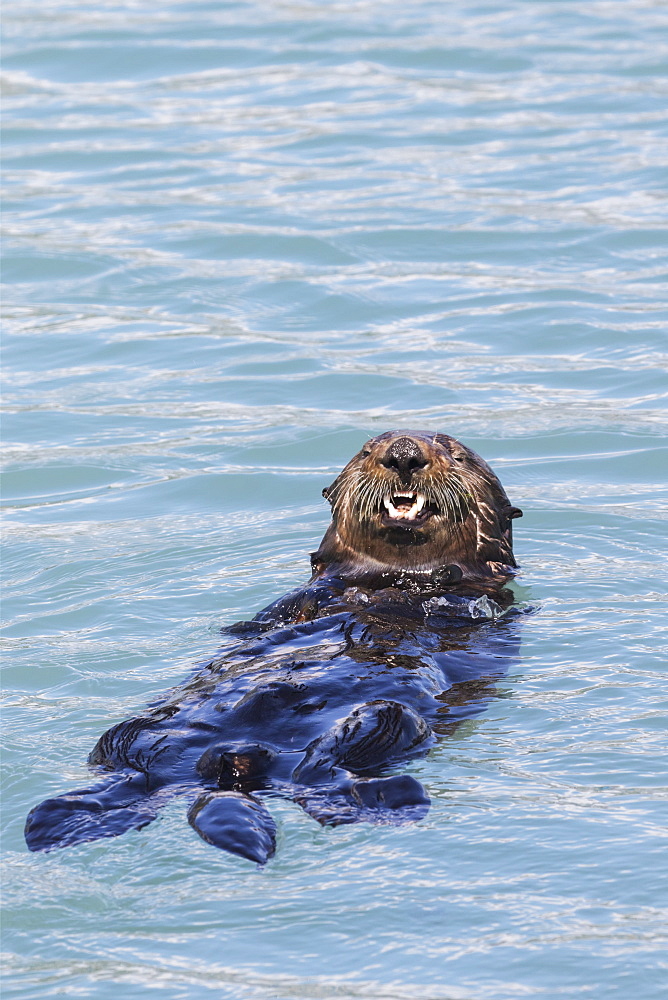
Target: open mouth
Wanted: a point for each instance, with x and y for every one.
(406, 506)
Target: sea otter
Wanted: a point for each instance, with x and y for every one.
(402, 631)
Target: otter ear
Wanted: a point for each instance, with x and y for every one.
(507, 514)
(495, 526)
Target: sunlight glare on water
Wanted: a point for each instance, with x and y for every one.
(242, 238)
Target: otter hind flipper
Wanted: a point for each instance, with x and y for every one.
(106, 810)
(235, 822)
(371, 736)
(394, 800)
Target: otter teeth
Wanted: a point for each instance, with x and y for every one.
(406, 506)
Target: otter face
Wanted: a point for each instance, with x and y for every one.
(417, 501)
(396, 484)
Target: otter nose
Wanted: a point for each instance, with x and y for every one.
(404, 455)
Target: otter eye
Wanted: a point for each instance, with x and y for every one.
(365, 453)
(459, 458)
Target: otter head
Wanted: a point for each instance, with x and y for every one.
(421, 506)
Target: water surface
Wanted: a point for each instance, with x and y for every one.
(241, 239)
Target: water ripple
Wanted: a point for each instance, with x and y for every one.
(240, 239)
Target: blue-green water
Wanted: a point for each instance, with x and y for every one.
(241, 238)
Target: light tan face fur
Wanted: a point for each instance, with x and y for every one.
(418, 501)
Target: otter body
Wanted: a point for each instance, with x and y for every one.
(402, 631)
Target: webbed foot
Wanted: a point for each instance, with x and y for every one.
(106, 810)
(394, 800)
(372, 735)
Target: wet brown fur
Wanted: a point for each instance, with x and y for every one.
(467, 539)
